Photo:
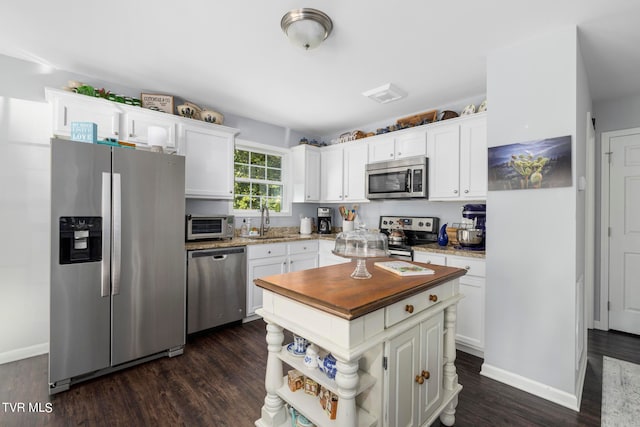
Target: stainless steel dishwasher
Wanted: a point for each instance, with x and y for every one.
(217, 287)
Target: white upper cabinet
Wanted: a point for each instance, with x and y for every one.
(305, 176)
(398, 145)
(150, 128)
(208, 151)
(70, 107)
(355, 163)
(473, 158)
(331, 166)
(118, 121)
(342, 172)
(457, 152)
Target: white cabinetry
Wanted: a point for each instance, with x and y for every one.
(326, 257)
(470, 330)
(208, 148)
(415, 363)
(276, 258)
(70, 107)
(118, 121)
(342, 172)
(457, 152)
(305, 168)
(150, 128)
(398, 145)
(208, 152)
(429, 258)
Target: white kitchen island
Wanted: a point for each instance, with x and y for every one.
(393, 339)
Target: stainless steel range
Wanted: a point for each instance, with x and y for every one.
(405, 232)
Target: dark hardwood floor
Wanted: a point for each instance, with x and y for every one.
(219, 381)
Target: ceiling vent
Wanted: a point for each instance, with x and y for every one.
(385, 93)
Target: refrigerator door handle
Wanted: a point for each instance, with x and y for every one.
(106, 235)
(117, 234)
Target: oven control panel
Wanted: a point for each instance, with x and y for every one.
(426, 224)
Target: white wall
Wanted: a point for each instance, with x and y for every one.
(24, 213)
(531, 256)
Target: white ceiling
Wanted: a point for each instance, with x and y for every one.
(232, 55)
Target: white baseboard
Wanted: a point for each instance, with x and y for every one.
(544, 391)
(469, 349)
(24, 353)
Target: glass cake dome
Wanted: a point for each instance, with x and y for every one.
(361, 244)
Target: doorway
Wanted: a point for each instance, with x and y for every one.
(620, 231)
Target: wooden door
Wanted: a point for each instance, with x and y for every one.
(624, 221)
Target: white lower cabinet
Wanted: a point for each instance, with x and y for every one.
(276, 258)
(429, 258)
(471, 315)
(414, 366)
(470, 332)
(326, 257)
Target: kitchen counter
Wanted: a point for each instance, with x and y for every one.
(245, 241)
(291, 236)
(449, 250)
(332, 289)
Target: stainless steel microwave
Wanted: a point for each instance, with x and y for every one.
(398, 179)
(200, 227)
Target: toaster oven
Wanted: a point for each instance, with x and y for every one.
(202, 227)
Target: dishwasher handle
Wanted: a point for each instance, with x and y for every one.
(218, 254)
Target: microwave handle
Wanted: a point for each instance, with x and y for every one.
(408, 181)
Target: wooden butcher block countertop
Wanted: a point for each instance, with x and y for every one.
(331, 289)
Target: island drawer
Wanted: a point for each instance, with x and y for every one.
(413, 305)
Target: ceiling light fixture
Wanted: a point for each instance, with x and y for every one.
(306, 27)
(385, 93)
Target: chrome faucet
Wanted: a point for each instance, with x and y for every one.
(264, 223)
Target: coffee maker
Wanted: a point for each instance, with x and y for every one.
(324, 220)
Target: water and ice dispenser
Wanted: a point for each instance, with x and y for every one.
(80, 239)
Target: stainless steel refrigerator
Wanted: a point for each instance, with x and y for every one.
(117, 259)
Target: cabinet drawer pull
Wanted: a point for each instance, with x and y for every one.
(409, 308)
(426, 375)
(419, 379)
(433, 298)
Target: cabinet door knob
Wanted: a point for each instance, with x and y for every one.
(467, 267)
(409, 308)
(466, 191)
(131, 135)
(455, 191)
(390, 154)
(419, 379)
(268, 252)
(399, 153)
(433, 298)
(426, 375)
